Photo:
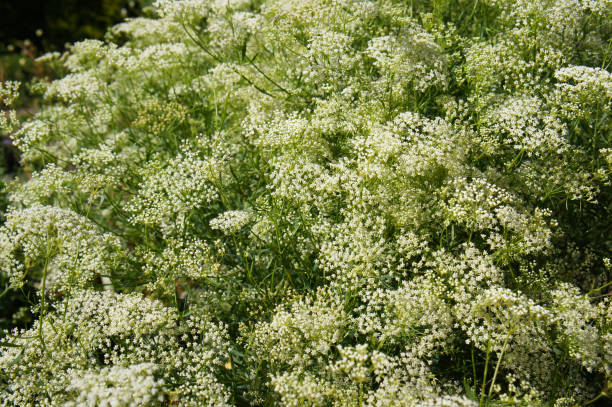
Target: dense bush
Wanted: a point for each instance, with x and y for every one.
(318, 203)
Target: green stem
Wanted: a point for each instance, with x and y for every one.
(474, 369)
(484, 379)
(594, 400)
(598, 288)
(42, 300)
(501, 355)
(360, 394)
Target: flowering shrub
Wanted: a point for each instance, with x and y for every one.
(317, 203)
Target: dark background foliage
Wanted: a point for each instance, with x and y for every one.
(61, 21)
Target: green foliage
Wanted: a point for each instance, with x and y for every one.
(318, 203)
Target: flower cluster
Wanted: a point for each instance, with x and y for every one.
(315, 203)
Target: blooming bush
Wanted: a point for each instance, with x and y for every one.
(318, 203)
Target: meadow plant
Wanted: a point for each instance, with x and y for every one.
(317, 203)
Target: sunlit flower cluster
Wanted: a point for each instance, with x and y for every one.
(317, 203)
